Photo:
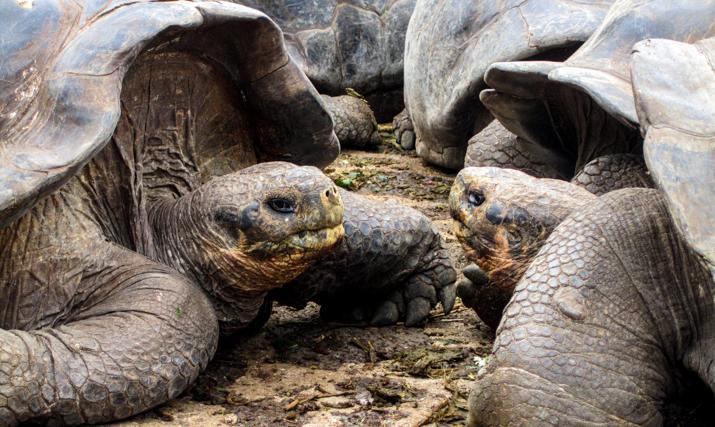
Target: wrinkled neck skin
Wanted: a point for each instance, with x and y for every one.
(182, 240)
(176, 236)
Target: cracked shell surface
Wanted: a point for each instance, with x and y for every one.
(341, 44)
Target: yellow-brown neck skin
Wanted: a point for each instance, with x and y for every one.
(502, 217)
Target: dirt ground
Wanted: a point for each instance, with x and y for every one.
(301, 371)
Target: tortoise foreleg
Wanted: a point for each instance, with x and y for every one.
(139, 339)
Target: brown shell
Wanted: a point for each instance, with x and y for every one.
(450, 44)
(542, 101)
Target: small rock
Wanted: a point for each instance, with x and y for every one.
(407, 140)
(364, 398)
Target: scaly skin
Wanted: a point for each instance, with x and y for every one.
(353, 120)
(613, 172)
(391, 266)
(503, 217)
(93, 331)
(501, 246)
(496, 146)
(404, 130)
(613, 305)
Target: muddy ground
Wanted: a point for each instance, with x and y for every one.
(301, 371)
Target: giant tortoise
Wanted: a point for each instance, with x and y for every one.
(619, 304)
(511, 214)
(449, 45)
(342, 44)
(554, 107)
(348, 44)
(583, 108)
(133, 227)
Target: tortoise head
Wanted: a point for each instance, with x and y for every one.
(503, 216)
(253, 230)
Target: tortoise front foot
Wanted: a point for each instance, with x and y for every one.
(414, 301)
(390, 267)
(410, 302)
(404, 130)
(478, 293)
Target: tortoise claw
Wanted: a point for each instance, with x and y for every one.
(468, 286)
(447, 296)
(465, 289)
(417, 311)
(386, 314)
(475, 274)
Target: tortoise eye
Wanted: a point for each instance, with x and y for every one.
(476, 198)
(282, 205)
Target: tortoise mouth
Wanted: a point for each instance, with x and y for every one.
(304, 242)
(492, 251)
(315, 240)
(472, 245)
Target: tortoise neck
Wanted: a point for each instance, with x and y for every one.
(179, 241)
(175, 236)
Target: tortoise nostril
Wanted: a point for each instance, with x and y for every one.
(331, 196)
(495, 213)
(454, 214)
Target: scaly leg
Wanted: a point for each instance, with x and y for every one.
(391, 266)
(137, 339)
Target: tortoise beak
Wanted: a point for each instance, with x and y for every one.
(332, 205)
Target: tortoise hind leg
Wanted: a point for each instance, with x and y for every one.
(137, 339)
(353, 120)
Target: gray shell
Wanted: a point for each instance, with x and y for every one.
(450, 44)
(63, 69)
(528, 97)
(674, 87)
(343, 44)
